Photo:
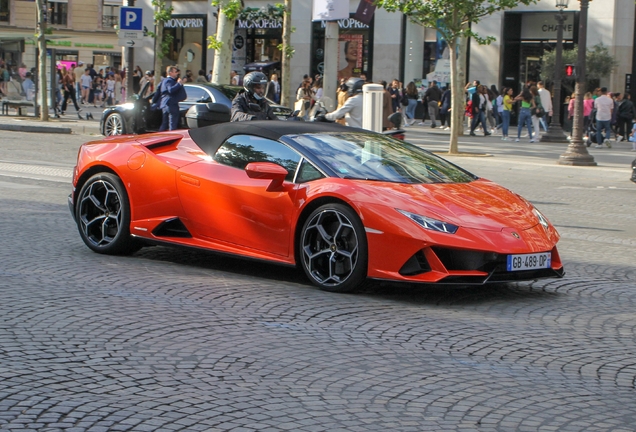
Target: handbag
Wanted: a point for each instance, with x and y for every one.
(539, 112)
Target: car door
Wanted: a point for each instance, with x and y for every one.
(223, 203)
(195, 95)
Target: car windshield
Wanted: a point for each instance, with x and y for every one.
(369, 156)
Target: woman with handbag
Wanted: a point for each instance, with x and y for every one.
(304, 96)
(537, 112)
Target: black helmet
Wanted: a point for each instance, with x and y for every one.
(354, 85)
(254, 78)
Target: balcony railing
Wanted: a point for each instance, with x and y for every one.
(109, 21)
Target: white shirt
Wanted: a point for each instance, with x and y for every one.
(235, 80)
(546, 99)
(604, 106)
(351, 111)
(86, 80)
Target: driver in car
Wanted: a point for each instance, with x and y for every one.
(251, 104)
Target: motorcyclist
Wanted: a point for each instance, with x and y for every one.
(251, 104)
(352, 108)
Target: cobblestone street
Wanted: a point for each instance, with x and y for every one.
(168, 339)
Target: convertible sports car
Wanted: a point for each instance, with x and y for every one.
(345, 204)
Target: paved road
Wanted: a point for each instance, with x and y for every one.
(174, 340)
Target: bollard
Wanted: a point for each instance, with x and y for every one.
(372, 104)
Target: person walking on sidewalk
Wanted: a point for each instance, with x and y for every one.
(506, 112)
(546, 102)
(412, 95)
(626, 114)
(525, 113)
(432, 98)
(479, 101)
(68, 85)
(604, 107)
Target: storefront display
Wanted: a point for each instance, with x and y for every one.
(189, 37)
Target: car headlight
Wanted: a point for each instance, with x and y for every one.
(542, 220)
(128, 106)
(430, 223)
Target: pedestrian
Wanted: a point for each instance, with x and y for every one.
(546, 102)
(28, 86)
(499, 103)
(632, 138)
(79, 72)
(109, 91)
(588, 107)
(570, 110)
(506, 112)
(273, 91)
(304, 96)
(387, 107)
(396, 95)
(201, 78)
(342, 95)
(479, 110)
(85, 83)
(496, 113)
(118, 86)
(412, 96)
(234, 78)
(525, 113)
(604, 107)
(68, 85)
(171, 93)
(432, 99)
(352, 108)
(137, 75)
(490, 109)
(626, 114)
(97, 91)
(537, 111)
(445, 108)
(146, 83)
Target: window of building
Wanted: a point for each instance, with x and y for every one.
(241, 150)
(58, 12)
(110, 14)
(4, 11)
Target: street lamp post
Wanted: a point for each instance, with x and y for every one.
(555, 131)
(576, 153)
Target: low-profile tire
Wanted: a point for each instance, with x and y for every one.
(333, 248)
(114, 125)
(102, 212)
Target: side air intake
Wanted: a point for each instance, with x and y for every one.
(172, 228)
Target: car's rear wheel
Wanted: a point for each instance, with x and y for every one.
(114, 125)
(103, 216)
(333, 248)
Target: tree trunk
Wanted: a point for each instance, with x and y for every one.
(285, 95)
(158, 52)
(42, 87)
(457, 105)
(223, 55)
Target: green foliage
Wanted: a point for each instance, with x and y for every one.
(162, 13)
(269, 12)
(230, 8)
(452, 18)
(288, 52)
(599, 63)
(213, 43)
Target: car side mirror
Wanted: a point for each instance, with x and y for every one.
(267, 171)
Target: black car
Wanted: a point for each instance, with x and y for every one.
(213, 106)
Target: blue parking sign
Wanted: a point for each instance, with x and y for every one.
(130, 18)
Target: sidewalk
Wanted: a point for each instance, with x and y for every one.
(67, 124)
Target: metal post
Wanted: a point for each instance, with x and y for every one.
(555, 131)
(130, 60)
(372, 106)
(576, 153)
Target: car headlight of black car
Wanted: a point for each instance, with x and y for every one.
(430, 223)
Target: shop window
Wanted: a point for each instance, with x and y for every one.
(58, 12)
(4, 11)
(110, 14)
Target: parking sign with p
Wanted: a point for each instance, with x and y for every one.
(130, 18)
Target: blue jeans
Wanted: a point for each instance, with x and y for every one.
(477, 118)
(410, 109)
(506, 122)
(525, 117)
(602, 124)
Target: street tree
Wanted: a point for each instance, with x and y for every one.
(599, 62)
(162, 13)
(222, 41)
(288, 53)
(41, 34)
(453, 20)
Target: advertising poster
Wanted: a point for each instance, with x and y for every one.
(350, 55)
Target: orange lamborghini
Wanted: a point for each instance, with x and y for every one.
(345, 204)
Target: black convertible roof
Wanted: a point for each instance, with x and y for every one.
(210, 138)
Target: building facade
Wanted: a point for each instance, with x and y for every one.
(81, 30)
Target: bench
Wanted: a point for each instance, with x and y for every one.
(20, 105)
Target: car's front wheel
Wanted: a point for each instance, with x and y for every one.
(114, 125)
(103, 215)
(333, 248)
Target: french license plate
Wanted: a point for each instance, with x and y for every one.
(529, 261)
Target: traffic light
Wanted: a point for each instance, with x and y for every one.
(569, 70)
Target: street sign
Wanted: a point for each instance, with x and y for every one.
(127, 34)
(128, 43)
(130, 18)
